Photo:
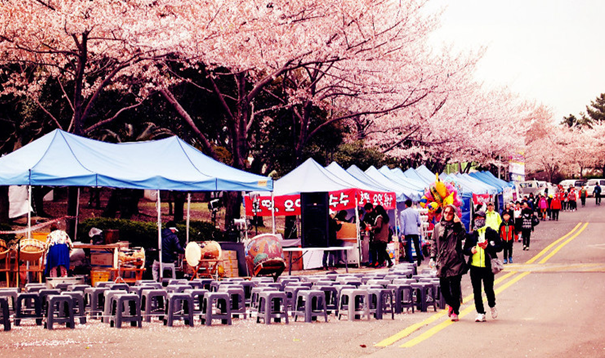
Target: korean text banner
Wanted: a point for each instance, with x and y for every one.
(338, 200)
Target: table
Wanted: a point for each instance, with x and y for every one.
(329, 248)
(138, 273)
(114, 247)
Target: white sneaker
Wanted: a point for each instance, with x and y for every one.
(494, 312)
(480, 318)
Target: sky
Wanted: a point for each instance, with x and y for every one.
(550, 51)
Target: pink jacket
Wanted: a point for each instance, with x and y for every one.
(543, 203)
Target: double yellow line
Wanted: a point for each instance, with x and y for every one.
(513, 279)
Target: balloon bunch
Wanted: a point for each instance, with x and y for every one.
(440, 194)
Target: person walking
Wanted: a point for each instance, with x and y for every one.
(448, 258)
(527, 216)
(481, 246)
(597, 194)
(331, 258)
(573, 199)
(492, 218)
(369, 217)
(518, 220)
(507, 235)
(583, 194)
(543, 205)
(555, 207)
(381, 237)
(409, 219)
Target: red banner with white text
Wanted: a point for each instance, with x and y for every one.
(481, 199)
(338, 200)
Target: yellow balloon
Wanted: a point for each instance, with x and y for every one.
(433, 206)
(441, 189)
(449, 200)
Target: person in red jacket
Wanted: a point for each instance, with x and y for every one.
(507, 235)
(555, 207)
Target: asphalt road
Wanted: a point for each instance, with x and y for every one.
(551, 304)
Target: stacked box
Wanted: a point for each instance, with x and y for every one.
(101, 259)
(230, 263)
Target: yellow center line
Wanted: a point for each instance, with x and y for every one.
(533, 259)
(415, 327)
(434, 330)
(563, 244)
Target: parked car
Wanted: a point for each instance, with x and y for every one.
(536, 187)
(591, 183)
(569, 182)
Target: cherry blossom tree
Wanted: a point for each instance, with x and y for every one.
(86, 48)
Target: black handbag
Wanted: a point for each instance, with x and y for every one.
(535, 221)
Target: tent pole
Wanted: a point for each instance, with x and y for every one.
(159, 206)
(273, 213)
(359, 251)
(29, 212)
(245, 221)
(188, 217)
(77, 216)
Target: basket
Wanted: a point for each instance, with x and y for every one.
(31, 249)
(99, 276)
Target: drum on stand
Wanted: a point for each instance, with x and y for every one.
(203, 255)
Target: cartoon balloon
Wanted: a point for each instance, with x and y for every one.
(440, 187)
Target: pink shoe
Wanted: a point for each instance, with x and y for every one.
(450, 310)
(455, 318)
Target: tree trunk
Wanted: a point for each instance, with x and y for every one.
(72, 210)
(179, 204)
(232, 201)
(4, 205)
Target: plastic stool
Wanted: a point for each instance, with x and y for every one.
(153, 303)
(219, 302)
(255, 295)
(35, 287)
(292, 294)
(238, 299)
(60, 310)
(79, 309)
(197, 294)
(11, 296)
(5, 320)
(141, 282)
(179, 306)
(423, 291)
(95, 300)
(381, 282)
(108, 306)
(102, 284)
(73, 288)
(178, 281)
(355, 303)
(45, 293)
(381, 302)
(248, 285)
(311, 304)
(120, 286)
(331, 298)
(126, 307)
(272, 305)
(21, 310)
(403, 295)
(178, 288)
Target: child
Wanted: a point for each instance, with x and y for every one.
(507, 234)
(543, 205)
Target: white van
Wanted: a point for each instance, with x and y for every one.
(591, 183)
(569, 182)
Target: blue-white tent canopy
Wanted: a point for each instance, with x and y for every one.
(310, 177)
(412, 174)
(397, 187)
(425, 173)
(479, 187)
(363, 177)
(339, 171)
(64, 159)
(397, 175)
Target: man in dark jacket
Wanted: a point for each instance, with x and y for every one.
(171, 247)
(481, 246)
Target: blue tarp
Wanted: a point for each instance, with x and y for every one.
(64, 159)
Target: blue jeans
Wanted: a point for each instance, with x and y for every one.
(408, 248)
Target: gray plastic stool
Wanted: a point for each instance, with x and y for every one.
(179, 306)
(311, 304)
(21, 310)
(126, 307)
(403, 295)
(11, 296)
(60, 310)
(79, 308)
(95, 300)
(153, 303)
(355, 303)
(5, 320)
(216, 305)
(381, 302)
(237, 298)
(272, 305)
